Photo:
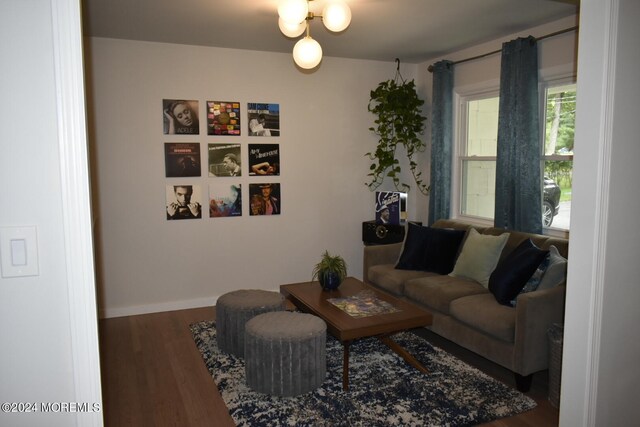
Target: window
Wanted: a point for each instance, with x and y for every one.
(477, 148)
(559, 119)
(478, 155)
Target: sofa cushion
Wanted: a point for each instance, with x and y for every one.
(514, 271)
(482, 312)
(437, 291)
(556, 271)
(387, 277)
(479, 256)
(430, 249)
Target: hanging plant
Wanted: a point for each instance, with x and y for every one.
(399, 122)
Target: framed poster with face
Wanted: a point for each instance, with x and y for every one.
(225, 160)
(181, 159)
(180, 117)
(264, 199)
(391, 207)
(183, 201)
(264, 119)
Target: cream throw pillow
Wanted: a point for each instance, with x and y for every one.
(479, 257)
(556, 271)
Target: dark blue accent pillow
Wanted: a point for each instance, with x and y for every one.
(430, 249)
(534, 281)
(508, 279)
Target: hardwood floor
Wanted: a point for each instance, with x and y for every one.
(153, 375)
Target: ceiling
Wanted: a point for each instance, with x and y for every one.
(412, 30)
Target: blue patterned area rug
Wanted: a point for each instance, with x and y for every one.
(384, 389)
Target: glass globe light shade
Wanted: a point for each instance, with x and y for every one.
(307, 53)
(291, 30)
(293, 11)
(336, 16)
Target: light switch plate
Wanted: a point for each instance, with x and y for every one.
(19, 251)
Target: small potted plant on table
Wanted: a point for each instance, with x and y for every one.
(330, 271)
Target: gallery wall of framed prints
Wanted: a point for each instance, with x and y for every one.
(212, 172)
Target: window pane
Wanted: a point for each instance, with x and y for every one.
(478, 188)
(560, 120)
(482, 127)
(556, 209)
(560, 114)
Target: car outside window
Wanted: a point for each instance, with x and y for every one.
(559, 119)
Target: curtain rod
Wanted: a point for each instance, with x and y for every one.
(566, 30)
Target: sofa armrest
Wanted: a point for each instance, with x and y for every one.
(379, 254)
(535, 313)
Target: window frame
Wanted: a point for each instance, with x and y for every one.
(543, 87)
(461, 116)
(462, 96)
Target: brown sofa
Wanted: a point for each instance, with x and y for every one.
(468, 314)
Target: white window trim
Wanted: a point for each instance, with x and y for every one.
(463, 95)
(459, 135)
(560, 80)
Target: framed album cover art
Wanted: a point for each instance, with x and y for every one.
(223, 118)
(264, 159)
(264, 119)
(184, 201)
(391, 207)
(181, 159)
(264, 199)
(225, 199)
(180, 117)
(225, 160)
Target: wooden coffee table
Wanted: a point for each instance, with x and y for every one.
(311, 298)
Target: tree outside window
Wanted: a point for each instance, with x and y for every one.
(560, 115)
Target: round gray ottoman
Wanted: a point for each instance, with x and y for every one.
(233, 309)
(285, 353)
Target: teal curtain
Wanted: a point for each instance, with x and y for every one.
(441, 141)
(518, 203)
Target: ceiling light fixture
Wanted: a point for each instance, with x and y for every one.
(294, 20)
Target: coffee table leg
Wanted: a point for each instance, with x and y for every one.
(345, 366)
(403, 353)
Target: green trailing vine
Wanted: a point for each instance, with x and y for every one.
(399, 122)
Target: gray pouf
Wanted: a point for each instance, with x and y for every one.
(285, 353)
(233, 309)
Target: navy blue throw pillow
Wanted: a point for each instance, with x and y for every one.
(430, 249)
(508, 279)
(411, 256)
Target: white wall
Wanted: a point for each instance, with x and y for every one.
(601, 348)
(556, 56)
(147, 263)
(39, 361)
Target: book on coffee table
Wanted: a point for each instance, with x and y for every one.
(363, 304)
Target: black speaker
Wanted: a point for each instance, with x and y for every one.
(382, 234)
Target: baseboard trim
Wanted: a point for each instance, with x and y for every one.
(109, 313)
(134, 310)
